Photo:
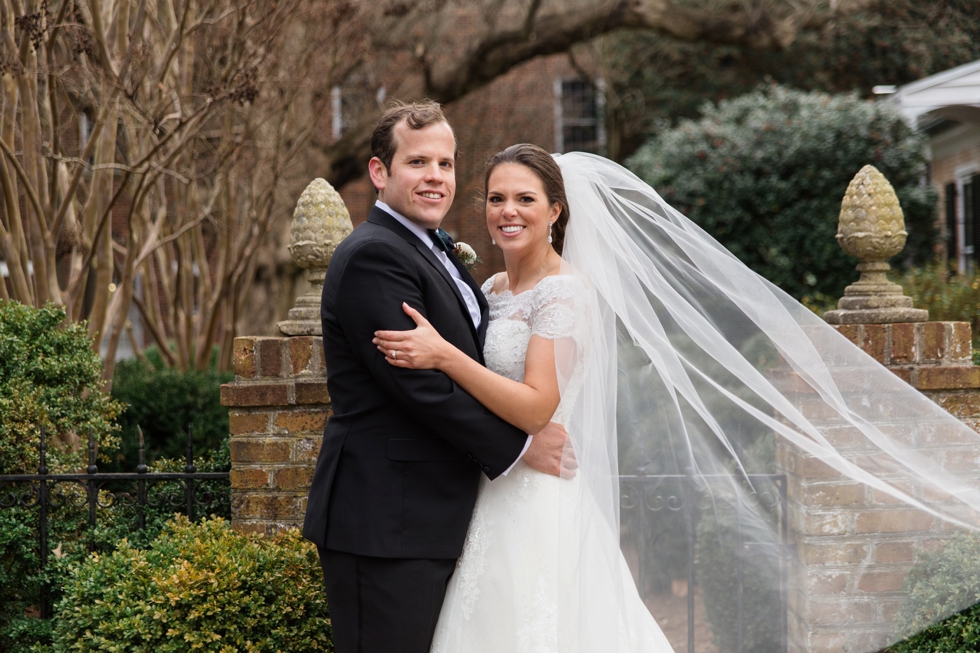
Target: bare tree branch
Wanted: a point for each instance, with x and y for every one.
(757, 24)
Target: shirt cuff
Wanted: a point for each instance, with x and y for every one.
(527, 445)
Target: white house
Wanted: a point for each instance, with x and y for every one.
(946, 106)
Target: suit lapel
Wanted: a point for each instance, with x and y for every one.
(379, 217)
(480, 300)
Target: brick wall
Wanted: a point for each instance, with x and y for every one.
(845, 535)
(850, 537)
(278, 406)
(518, 107)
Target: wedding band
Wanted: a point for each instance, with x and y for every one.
(394, 354)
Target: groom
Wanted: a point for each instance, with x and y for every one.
(402, 453)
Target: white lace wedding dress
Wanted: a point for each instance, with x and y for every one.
(517, 585)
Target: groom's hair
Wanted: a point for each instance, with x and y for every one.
(417, 115)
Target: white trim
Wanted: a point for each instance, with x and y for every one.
(559, 117)
(5, 271)
(957, 87)
(336, 112)
(84, 129)
(966, 170)
(600, 116)
(939, 78)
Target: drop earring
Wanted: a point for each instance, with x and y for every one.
(549, 231)
(493, 242)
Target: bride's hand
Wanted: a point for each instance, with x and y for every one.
(419, 349)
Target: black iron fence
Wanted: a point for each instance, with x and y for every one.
(683, 524)
(670, 517)
(189, 491)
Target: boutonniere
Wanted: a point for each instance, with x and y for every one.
(466, 255)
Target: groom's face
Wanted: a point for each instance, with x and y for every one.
(421, 181)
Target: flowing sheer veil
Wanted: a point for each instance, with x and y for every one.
(703, 385)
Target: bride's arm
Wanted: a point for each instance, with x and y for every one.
(528, 405)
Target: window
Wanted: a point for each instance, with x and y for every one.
(580, 115)
(963, 218)
(971, 214)
(348, 103)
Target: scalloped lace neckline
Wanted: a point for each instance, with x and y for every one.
(507, 291)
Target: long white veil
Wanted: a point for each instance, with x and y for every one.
(706, 389)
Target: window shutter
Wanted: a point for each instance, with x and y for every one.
(971, 216)
(952, 251)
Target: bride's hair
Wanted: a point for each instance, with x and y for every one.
(543, 165)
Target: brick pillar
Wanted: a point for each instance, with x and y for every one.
(278, 406)
(847, 536)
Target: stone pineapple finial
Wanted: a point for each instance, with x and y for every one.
(320, 222)
(872, 228)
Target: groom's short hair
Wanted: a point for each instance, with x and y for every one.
(417, 115)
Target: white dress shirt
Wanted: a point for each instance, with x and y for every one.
(472, 305)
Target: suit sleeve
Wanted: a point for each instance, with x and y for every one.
(375, 281)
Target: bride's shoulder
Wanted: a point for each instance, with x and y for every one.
(558, 307)
(495, 284)
(563, 287)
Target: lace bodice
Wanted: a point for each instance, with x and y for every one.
(548, 310)
(555, 309)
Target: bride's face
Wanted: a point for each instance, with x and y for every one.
(519, 215)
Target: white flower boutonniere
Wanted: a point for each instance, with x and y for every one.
(466, 255)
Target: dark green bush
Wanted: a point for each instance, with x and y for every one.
(946, 582)
(72, 541)
(164, 402)
(724, 539)
(20, 570)
(765, 174)
(197, 587)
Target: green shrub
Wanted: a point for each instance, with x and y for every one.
(50, 376)
(164, 402)
(20, 569)
(197, 587)
(765, 174)
(946, 582)
(72, 541)
(946, 295)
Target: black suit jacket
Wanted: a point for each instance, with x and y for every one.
(403, 450)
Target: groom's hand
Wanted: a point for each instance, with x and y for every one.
(551, 452)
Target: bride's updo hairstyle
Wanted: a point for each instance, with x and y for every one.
(543, 165)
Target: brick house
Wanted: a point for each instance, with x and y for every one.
(946, 106)
(546, 101)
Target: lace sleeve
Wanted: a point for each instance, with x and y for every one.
(487, 286)
(559, 307)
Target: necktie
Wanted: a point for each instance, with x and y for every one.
(442, 247)
(442, 240)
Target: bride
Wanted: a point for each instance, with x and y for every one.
(517, 577)
(661, 354)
